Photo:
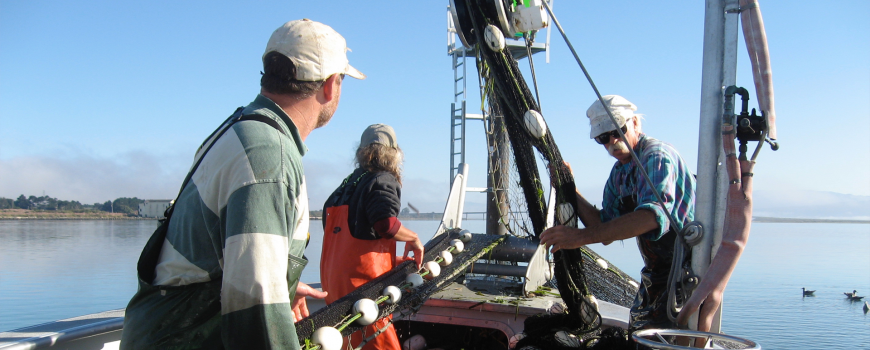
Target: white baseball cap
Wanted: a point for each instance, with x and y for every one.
(600, 123)
(317, 50)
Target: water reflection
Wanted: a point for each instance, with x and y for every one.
(51, 270)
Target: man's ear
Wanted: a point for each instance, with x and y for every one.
(330, 88)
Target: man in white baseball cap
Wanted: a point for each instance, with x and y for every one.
(629, 205)
(223, 271)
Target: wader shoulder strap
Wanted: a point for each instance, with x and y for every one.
(151, 251)
(215, 135)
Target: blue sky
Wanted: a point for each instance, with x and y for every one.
(107, 99)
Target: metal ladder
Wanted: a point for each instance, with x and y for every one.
(458, 113)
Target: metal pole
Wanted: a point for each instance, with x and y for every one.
(462, 142)
(452, 142)
(498, 179)
(718, 72)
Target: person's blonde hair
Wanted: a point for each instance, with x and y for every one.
(377, 158)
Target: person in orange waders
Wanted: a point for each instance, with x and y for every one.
(361, 228)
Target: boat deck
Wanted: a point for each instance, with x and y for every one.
(487, 305)
(95, 331)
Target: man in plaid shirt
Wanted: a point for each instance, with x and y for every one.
(630, 208)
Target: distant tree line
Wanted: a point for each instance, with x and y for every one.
(121, 205)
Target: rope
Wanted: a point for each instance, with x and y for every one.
(374, 335)
(529, 40)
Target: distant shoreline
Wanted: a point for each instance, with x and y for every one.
(766, 219)
(23, 214)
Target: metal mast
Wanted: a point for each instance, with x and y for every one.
(719, 71)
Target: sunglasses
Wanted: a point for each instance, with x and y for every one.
(604, 138)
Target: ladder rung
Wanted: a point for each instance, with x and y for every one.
(477, 189)
(460, 78)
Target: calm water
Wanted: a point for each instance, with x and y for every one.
(58, 269)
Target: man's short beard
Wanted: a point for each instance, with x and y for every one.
(326, 114)
(619, 146)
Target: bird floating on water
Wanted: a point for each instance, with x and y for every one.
(853, 296)
(808, 292)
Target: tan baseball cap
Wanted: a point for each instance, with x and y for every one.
(317, 50)
(600, 122)
(379, 133)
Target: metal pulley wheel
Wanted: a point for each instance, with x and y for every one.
(462, 22)
(655, 339)
(501, 12)
(496, 12)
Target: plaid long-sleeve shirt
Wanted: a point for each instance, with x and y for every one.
(670, 177)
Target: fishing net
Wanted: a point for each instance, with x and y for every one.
(580, 273)
(340, 310)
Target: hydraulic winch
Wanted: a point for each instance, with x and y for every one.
(750, 126)
(515, 17)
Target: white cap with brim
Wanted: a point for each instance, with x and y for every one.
(317, 50)
(600, 122)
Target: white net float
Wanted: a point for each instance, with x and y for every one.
(535, 124)
(414, 279)
(416, 342)
(565, 212)
(558, 308)
(601, 262)
(494, 38)
(394, 293)
(328, 338)
(433, 268)
(633, 283)
(589, 309)
(567, 339)
(512, 342)
(446, 258)
(465, 236)
(457, 245)
(368, 309)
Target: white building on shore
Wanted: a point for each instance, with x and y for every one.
(154, 208)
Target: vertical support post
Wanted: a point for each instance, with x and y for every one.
(498, 179)
(463, 169)
(719, 71)
(452, 142)
(462, 142)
